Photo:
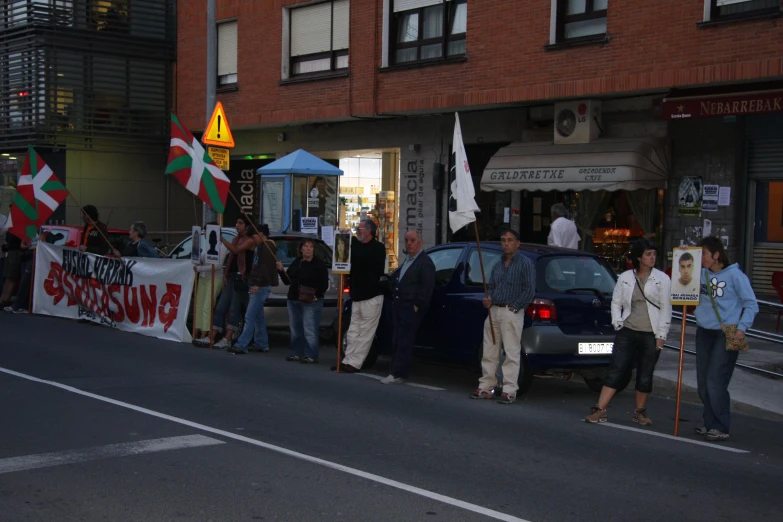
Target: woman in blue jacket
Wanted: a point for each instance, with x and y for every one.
(729, 288)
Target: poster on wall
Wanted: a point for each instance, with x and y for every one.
(710, 200)
(690, 196)
(309, 225)
(341, 257)
(686, 270)
(212, 236)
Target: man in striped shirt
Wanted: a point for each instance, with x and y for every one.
(512, 285)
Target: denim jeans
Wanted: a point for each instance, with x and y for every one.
(714, 367)
(255, 322)
(305, 322)
(629, 345)
(230, 302)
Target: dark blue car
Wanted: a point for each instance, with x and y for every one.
(568, 327)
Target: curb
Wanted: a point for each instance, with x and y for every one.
(667, 388)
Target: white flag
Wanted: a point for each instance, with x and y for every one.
(462, 203)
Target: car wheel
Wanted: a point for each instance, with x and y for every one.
(595, 380)
(525, 380)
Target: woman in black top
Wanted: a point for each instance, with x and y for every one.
(309, 281)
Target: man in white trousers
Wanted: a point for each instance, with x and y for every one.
(511, 286)
(368, 263)
(563, 231)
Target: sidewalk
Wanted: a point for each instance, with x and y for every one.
(751, 392)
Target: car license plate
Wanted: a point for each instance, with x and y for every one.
(595, 348)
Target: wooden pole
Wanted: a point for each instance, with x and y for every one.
(211, 307)
(32, 285)
(340, 321)
(679, 373)
(252, 224)
(195, 299)
(484, 279)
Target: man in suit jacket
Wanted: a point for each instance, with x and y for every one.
(413, 287)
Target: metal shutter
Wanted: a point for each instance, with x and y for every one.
(227, 48)
(341, 25)
(407, 5)
(765, 158)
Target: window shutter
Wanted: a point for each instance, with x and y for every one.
(227, 48)
(407, 5)
(341, 25)
(729, 2)
(311, 29)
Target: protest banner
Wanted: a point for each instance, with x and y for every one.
(146, 296)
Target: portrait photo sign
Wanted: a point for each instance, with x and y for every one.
(213, 245)
(195, 252)
(341, 256)
(686, 276)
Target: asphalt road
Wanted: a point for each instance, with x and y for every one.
(99, 424)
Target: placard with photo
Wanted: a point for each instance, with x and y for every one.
(686, 276)
(195, 245)
(212, 237)
(341, 257)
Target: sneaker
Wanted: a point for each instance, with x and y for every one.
(391, 379)
(717, 435)
(222, 344)
(9, 309)
(236, 350)
(293, 358)
(308, 360)
(482, 394)
(507, 398)
(201, 341)
(701, 430)
(20, 311)
(640, 416)
(596, 415)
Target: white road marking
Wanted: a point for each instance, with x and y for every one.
(425, 386)
(672, 437)
(59, 458)
(491, 513)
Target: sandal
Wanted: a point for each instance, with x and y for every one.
(293, 358)
(308, 360)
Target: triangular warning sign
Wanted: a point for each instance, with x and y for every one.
(218, 133)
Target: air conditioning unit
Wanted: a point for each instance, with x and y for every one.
(577, 121)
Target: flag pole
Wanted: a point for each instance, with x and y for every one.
(484, 280)
(252, 224)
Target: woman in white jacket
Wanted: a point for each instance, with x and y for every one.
(641, 314)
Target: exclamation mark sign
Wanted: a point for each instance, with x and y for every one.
(219, 118)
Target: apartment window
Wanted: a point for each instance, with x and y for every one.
(581, 19)
(730, 9)
(319, 38)
(227, 53)
(424, 30)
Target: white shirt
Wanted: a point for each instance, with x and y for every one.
(563, 234)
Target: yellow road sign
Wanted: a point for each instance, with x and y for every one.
(218, 132)
(219, 156)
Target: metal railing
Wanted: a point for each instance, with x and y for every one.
(752, 333)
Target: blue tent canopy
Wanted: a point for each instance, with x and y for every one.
(300, 162)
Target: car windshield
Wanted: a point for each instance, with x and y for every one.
(288, 249)
(562, 274)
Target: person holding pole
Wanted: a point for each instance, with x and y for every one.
(732, 303)
(512, 285)
(235, 291)
(209, 287)
(368, 263)
(413, 285)
(641, 314)
(94, 234)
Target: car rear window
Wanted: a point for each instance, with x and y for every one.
(288, 249)
(560, 274)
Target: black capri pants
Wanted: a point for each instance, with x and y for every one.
(630, 344)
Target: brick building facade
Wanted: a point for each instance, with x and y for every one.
(389, 85)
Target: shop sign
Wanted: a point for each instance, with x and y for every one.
(759, 103)
(557, 175)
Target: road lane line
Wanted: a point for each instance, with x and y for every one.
(491, 513)
(672, 437)
(59, 458)
(425, 386)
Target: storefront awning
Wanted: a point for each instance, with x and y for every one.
(601, 165)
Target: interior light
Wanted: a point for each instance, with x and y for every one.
(12, 158)
(6, 154)
(248, 157)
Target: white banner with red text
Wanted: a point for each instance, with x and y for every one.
(146, 296)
